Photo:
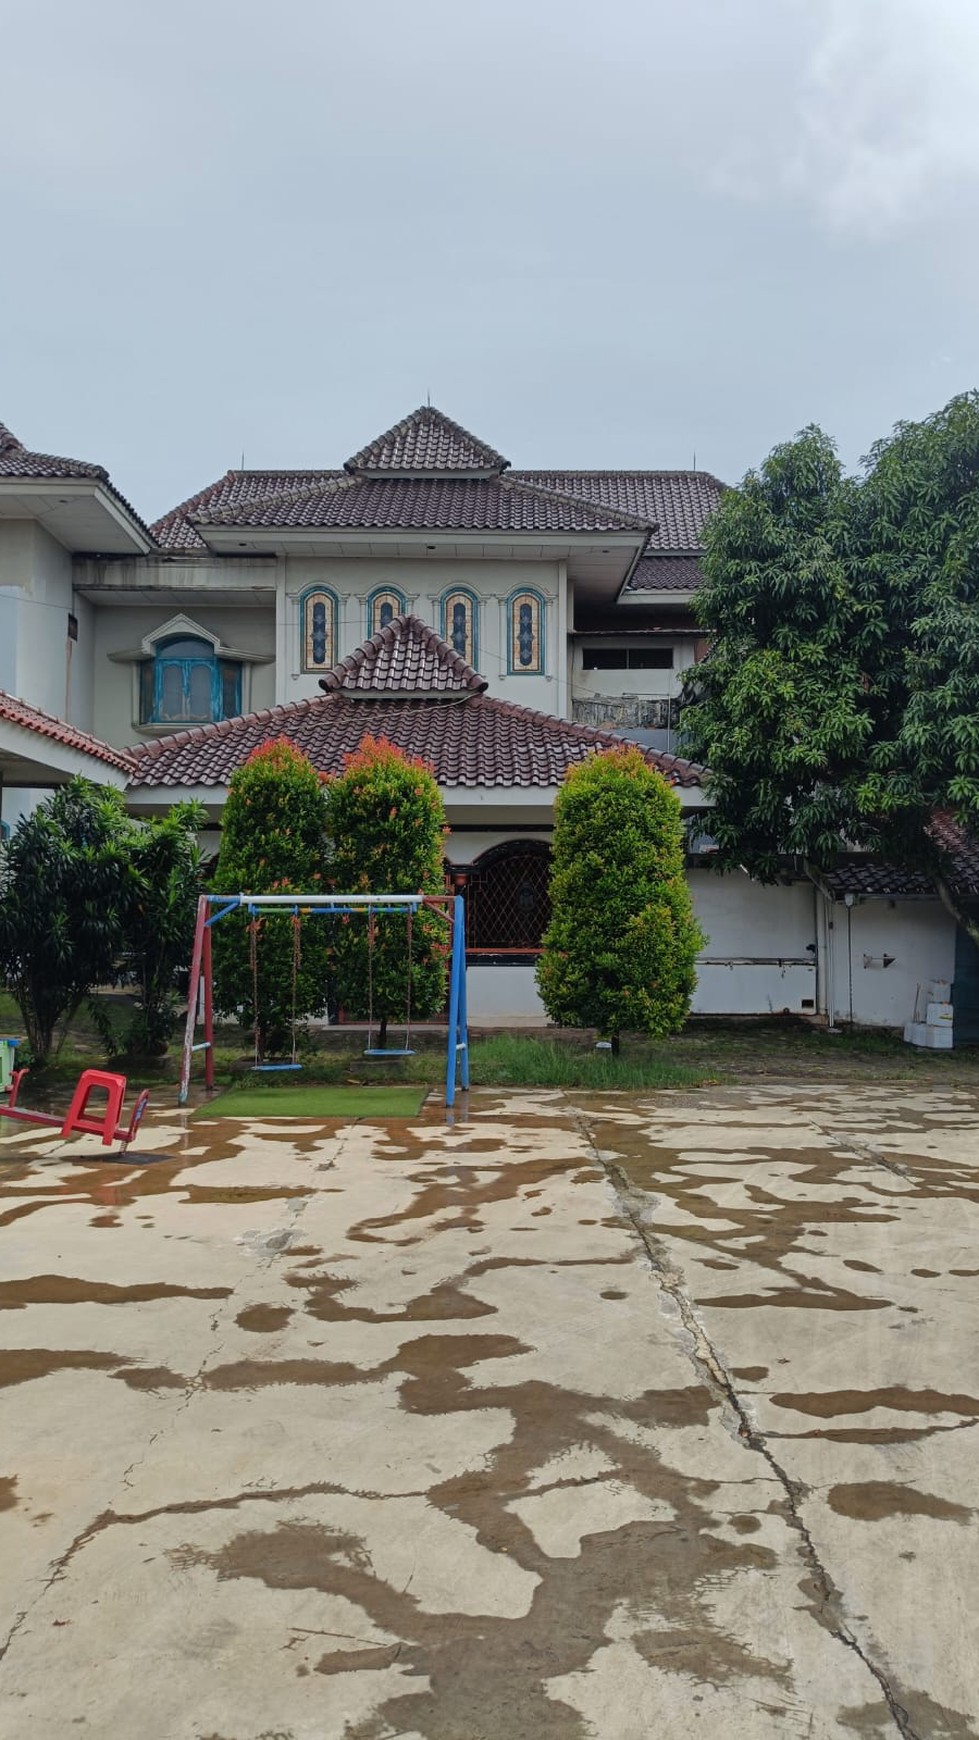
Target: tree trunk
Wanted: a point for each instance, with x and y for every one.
(382, 1034)
(615, 1044)
(969, 924)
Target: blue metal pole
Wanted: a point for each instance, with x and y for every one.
(463, 1037)
(450, 1049)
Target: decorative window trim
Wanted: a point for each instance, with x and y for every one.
(181, 627)
(450, 597)
(380, 596)
(168, 683)
(513, 665)
(315, 595)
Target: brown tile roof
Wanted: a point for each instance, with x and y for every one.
(434, 489)
(175, 530)
(866, 878)
(17, 712)
(406, 656)
(422, 504)
(429, 443)
(666, 574)
(677, 503)
(16, 460)
(474, 741)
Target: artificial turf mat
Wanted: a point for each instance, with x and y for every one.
(315, 1102)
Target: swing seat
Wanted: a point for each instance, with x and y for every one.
(271, 1068)
(390, 1051)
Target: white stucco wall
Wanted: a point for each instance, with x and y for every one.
(423, 585)
(504, 997)
(757, 959)
(36, 577)
(122, 627)
(917, 936)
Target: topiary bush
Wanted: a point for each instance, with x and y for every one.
(386, 822)
(273, 841)
(619, 951)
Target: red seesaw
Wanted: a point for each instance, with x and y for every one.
(110, 1126)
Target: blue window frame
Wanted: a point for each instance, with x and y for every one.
(460, 623)
(186, 683)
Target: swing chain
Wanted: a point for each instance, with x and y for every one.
(253, 930)
(408, 991)
(296, 961)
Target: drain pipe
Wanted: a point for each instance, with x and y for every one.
(830, 976)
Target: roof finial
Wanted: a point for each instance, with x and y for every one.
(428, 397)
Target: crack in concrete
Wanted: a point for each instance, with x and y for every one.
(829, 1612)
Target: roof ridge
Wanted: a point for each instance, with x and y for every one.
(632, 522)
(615, 471)
(337, 481)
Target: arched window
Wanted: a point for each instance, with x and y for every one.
(186, 683)
(507, 900)
(460, 623)
(381, 606)
(318, 629)
(525, 647)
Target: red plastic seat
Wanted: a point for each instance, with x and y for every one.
(114, 1087)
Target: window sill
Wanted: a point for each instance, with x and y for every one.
(178, 725)
(502, 957)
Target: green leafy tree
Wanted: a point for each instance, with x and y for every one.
(67, 883)
(619, 950)
(387, 827)
(159, 925)
(272, 842)
(839, 704)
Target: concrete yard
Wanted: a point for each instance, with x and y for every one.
(579, 1416)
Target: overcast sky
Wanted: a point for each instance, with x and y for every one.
(596, 232)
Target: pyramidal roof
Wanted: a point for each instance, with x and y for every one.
(427, 444)
(407, 657)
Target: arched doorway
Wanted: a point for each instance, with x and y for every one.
(507, 903)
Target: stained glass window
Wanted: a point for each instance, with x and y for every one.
(318, 627)
(459, 624)
(526, 652)
(382, 606)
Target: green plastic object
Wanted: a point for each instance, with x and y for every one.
(8, 1058)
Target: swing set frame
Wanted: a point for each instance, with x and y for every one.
(211, 908)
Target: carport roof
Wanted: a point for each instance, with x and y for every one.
(20, 722)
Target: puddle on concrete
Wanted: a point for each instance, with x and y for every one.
(873, 1500)
(67, 1290)
(264, 1319)
(21, 1365)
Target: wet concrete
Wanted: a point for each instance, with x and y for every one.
(576, 1416)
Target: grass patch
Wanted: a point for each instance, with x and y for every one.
(315, 1102)
(517, 1060)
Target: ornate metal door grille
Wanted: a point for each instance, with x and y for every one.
(507, 904)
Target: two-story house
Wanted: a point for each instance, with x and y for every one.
(502, 623)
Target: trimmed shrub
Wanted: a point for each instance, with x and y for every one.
(273, 842)
(619, 951)
(386, 821)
